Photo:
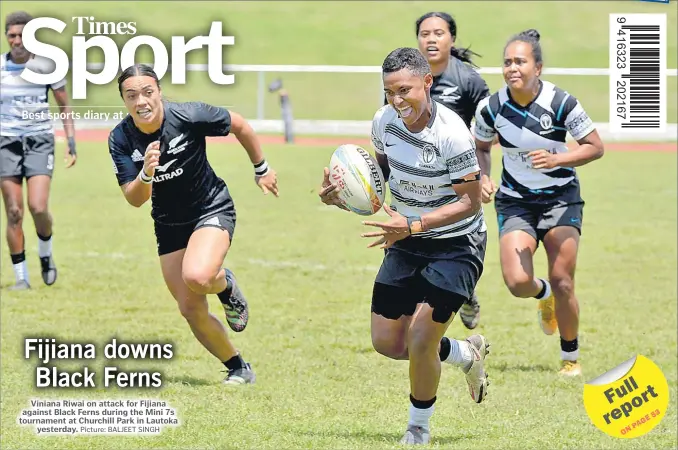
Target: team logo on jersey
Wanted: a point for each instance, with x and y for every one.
(428, 154)
(449, 94)
(165, 166)
(137, 156)
(167, 176)
(545, 121)
(173, 149)
(213, 221)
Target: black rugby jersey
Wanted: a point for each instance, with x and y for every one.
(460, 88)
(185, 187)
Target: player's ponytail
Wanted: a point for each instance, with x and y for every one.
(137, 70)
(531, 37)
(463, 54)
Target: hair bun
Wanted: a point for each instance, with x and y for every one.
(531, 33)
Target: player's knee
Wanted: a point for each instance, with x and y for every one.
(37, 208)
(387, 345)
(198, 279)
(562, 285)
(39, 211)
(519, 284)
(15, 216)
(422, 340)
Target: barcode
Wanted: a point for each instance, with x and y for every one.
(637, 72)
(643, 76)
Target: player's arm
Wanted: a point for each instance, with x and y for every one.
(245, 134)
(478, 91)
(265, 177)
(469, 191)
(135, 184)
(136, 191)
(483, 150)
(61, 97)
(465, 178)
(216, 121)
(590, 148)
(581, 128)
(485, 136)
(377, 143)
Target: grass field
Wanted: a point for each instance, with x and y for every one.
(308, 276)
(574, 34)
(307, 273)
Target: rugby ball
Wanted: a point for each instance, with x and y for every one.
(359, 179)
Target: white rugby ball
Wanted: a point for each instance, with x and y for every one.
(359, 179)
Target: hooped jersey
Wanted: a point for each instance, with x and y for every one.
(426, 166)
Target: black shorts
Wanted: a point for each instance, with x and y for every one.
(171, 238)
(536, 216)
(441, 272)
(27, 156)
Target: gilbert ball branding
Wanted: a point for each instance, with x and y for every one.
(629, 400)
(115, 58)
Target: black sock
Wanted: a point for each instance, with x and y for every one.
(419, 404)
(541, 293)
(445, 348)
(44, 238)
(235, 363)
(225, 295)
(569, 346)
(18, 257)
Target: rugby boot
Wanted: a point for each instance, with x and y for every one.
(415, 436)
(235, 307)
(243, 375)
(546, 312)
(476, 377)
(48, 269)
(470, 312)
(20, 285)
(570, 368)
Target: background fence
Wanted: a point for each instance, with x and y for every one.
(361, 127)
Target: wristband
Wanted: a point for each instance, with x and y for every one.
(261, 168)
(416, 223)
(144, 178)
(71, 146)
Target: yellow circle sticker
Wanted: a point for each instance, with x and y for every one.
(629, 400)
